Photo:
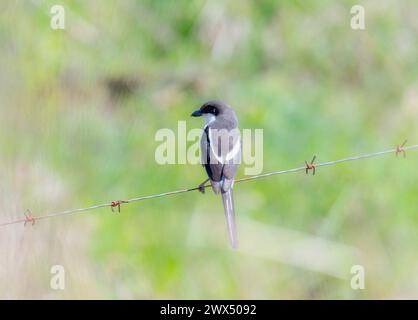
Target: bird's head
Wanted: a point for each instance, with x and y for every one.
(212, 109)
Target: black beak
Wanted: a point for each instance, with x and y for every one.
(197, 113)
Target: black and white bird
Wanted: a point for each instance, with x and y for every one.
(221, 155)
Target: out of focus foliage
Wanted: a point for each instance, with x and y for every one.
(80, 108)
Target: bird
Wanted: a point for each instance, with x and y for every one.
(221, 156)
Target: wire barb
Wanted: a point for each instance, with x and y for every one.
(117, 203)
(310, 166)
(401, 149)
(28, 218)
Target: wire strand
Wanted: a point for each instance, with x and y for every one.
(118, 203)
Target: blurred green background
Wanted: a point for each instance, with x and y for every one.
(80, 107)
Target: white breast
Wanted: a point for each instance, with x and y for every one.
(209, 118)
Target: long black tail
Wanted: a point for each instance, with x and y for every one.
(228, 201)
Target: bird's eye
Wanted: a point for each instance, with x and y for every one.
(214, 111)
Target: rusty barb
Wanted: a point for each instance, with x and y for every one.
(28, 218)
(401, 149)
(117, 204)
(309, 166)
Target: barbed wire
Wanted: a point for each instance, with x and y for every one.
(309, 166)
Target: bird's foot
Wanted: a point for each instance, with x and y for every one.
(202, 187)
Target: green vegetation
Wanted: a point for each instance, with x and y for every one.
(80, 108)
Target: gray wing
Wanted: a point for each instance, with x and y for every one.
(221, 155)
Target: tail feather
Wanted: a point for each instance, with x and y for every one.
(228, 202)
